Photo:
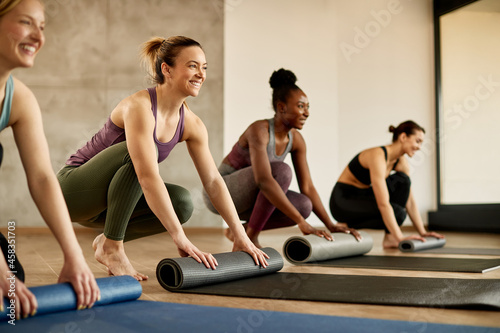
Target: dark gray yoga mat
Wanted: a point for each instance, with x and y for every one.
(180, 273)
(311, 248)
(462, 265)
(414, 245)
(382, 290)
(465, 250)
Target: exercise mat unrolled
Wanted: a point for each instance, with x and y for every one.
(413, 245)
(311, 248)
(362, 289)
(182, 273)
(412, 263)
(61, 297)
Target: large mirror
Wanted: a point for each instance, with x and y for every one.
(467, 36)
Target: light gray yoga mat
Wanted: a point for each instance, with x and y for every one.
(311, 248)
(181, 273)
(414, 245)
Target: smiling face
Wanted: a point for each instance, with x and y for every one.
(21, 34)
(413, 142)
(189, 71)
(295, 111)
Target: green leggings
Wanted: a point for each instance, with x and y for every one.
(104, 193)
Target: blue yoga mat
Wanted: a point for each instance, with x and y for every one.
(152, 317)
(61, 297)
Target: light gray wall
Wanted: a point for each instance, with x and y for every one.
(364, 64)
(89, 63)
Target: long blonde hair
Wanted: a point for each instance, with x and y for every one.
(159, 50)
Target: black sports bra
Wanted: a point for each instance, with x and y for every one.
(362, 174)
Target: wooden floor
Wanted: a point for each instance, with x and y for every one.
(42, 259)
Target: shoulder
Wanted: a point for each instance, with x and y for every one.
(372, 156)
(24, 103)
(257, 132)
(193, 125)
(132, 108)
(22, 94)
(298, 142)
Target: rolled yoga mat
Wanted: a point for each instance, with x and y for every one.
(413, 245)
(383, 290)
(61, 297)
(175, 274)
(311, 248)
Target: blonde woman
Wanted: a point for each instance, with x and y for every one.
(113, 182)
(21, 37)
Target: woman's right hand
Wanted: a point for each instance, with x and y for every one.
(307, 229)
(187, 249)
(25, 301)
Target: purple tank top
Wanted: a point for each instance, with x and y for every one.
(111, 134)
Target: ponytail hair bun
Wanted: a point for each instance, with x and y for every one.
(408, 127)
(282, 78)
(282, 81)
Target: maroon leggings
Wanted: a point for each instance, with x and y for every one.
(253, 206)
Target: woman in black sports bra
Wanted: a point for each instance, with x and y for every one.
(374, 190)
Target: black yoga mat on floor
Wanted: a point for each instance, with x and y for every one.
(180, 273)
(459, 265)
(382, 290)
(465, 250)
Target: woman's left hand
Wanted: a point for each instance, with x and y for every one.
(432, 234)
(307, 229)
(77, 272)
(257, 254)
(337, 228)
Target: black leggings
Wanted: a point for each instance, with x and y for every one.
(358, 208)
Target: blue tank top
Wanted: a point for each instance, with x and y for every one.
(240, 157)
(7, 103)
(363, 174)
(111, 134)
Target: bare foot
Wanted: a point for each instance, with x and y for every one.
(111, 254)
(390, 242)
(254, 236)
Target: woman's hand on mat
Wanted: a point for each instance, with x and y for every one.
(14, 289)
(432, 234)
(346, 230)
(307, 229)
(257, 254)
(77, 272)
(187, 249)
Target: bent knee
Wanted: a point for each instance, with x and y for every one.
(282, 172)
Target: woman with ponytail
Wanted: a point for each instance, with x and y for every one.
(21, 37)
(113, 182)
(257, 176)
(374, 190)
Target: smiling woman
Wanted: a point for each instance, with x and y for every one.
(21, 37)
(257, 176)
(113, 182)
(374, 190)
